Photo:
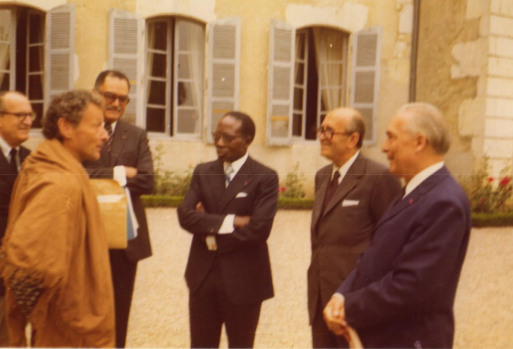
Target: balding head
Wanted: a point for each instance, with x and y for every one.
(341, 134)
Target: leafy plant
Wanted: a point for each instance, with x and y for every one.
(168, 182)
(488, 194)
(292, 188)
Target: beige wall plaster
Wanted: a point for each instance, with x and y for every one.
(39, 4)
(350, 17)
(406, 20)
(477, 8)
(470, 59)
(504, 7)
(203, 10)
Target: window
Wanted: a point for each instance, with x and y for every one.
(308, 77)
(22, 54)
(319, 76)
(175, 75)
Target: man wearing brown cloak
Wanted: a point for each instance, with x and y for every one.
(54, 257)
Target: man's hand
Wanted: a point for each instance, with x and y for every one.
(241, 221)
(200, 208)
(131, 172)
(334, 315)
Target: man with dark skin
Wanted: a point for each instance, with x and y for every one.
(229, 209)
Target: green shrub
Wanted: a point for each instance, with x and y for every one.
(292, 188)
(168, 182)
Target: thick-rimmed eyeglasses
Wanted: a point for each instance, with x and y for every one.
(20, 116)
(111, 98)
(328, 133)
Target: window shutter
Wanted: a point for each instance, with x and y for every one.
(125, 34)
(60, 50)
(280, 90)
(223, 70)
(365, 78)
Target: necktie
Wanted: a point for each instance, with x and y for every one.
(330, 190)
(227, 175)
(12, 162)
(108, 128)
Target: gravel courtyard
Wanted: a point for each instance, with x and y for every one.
(159, 318)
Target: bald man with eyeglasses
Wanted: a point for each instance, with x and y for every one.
(351, 194)
(126, 157)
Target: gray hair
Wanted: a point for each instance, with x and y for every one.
(424, 118)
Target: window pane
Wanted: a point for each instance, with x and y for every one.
(38, 109)
(298, 99)
(35, 59)
(157, 93)
(155, 120)
(190, 34)
(297, 125)
(188, 121)
(36, 23)
(35, 87)
(158, 64)
(4, 81)
(158, 36)
(184, 70)
(186, 95)
(300, 46)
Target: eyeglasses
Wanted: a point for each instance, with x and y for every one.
(21, 116)
(226, 138)
(328, 133)
(111, 98)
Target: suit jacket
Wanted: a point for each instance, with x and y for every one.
(242, 256)
(7, 179)
(401, 293)
(343, 231)
(129, 147)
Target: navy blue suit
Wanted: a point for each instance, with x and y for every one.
(402, 292)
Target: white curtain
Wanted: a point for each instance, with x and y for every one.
(192, 35)
(5, 43)
(329, 50)
(151, 46)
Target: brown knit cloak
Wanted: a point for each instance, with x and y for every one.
(55, 236)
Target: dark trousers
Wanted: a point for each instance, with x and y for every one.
(123, 279)
(209, 308)
(322, 337)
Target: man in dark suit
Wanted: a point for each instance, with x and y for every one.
(229, 209)
(351, 195)
(126, 157)
(401, 293)
(16, 116)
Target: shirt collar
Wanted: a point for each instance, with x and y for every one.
(422, 176)
(237, 164)
(6, 148)
(342, 170)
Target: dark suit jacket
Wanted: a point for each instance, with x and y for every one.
(343, 232)
(242, 256)
(7, 179)
(129, 147)
(401, 293)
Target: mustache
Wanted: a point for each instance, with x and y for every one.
(112, 107)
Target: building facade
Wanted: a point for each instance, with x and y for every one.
(285, 63)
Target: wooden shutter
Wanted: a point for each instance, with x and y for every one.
(280, 91)
(365, 78)
(60, 50)
(125, 34)
(223, 70)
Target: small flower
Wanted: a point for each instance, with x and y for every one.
(490, 179)
(505, 181)
(282, 190)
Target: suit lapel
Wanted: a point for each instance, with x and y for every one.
(425, 187)
(238, 183)
(324, 179)
(349, 182)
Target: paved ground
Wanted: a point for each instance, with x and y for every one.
(484, 316)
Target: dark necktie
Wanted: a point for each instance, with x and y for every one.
(12, 162)
(108, 128)
(330, 190)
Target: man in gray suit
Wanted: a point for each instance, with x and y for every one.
(351, 194)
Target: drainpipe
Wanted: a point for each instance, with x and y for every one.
(414, 50)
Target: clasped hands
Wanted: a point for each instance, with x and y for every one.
(335, 317)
